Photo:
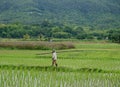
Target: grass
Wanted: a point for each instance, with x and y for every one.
(88, 65)
(36, 45)
(24, 78)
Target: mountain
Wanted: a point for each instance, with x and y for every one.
(94, 13)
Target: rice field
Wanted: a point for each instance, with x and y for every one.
(33, 78)
(88, 65)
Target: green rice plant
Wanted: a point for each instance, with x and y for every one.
(89, 45)
(26, 78)
(88, 65)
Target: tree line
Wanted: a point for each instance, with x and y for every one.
(50, 30)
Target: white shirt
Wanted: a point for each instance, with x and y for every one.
(54, 56)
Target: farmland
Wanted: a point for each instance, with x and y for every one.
(86, 65)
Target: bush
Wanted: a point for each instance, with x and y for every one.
(114, 35)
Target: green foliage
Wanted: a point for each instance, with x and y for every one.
(26, 36)
(61, 35)
(114, 35)
(49, 30)
(101, 14)
(60, 19)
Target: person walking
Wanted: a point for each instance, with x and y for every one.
(54, 58)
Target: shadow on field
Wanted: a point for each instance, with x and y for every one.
(52, 68)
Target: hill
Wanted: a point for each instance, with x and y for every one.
(94, 13)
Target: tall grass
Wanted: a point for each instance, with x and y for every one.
(37, 45)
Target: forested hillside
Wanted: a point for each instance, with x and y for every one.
(98, 14)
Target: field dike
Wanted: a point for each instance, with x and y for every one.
(52, 68)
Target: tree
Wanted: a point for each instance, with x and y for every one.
(114, 35)
(26, 36)
(81, 36)
(40, 36)
(62, 35)
(78, 30)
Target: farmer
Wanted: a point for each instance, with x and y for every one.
(54, 58)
